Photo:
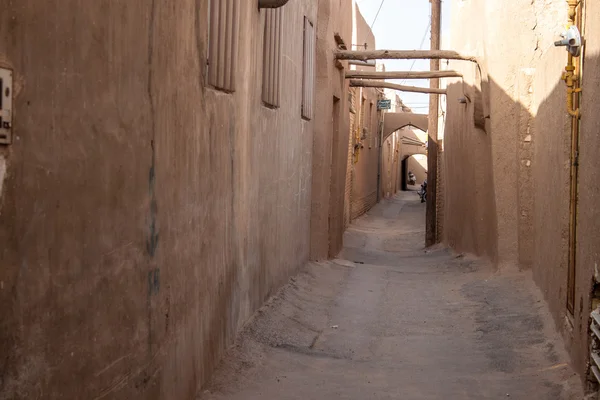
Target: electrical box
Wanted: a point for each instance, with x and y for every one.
(6, 96)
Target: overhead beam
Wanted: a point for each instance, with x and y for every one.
(389, 85)
(402, 55)
(402, 74)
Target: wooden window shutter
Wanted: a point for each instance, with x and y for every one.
(308, 75)
(223, 43)
(272, 56)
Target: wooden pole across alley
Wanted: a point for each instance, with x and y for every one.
(432, 143)
(364, 55)
(403, 74)
(388, 85)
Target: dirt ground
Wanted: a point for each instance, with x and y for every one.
(389, 319)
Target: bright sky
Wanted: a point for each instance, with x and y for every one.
(404, 25)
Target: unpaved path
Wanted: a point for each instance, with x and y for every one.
(389, 320)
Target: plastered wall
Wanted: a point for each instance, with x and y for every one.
(144, 215)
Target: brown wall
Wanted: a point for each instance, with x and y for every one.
(330, 149)
(365, 168)
(469, 203)
(366, 159)
(509, 137)
(353, 120)
(551, 189)
(588, 219)
(389, 178)
(144, 216)
(515, 174)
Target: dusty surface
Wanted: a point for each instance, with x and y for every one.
(388, 320)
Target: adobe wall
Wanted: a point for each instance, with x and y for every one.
(390, 166)
(469, 202)
(551, 172)
(329, 148)
(517, 172)
(588, 218)
(353, 121)
(478, 155)
(144, 216)
(365, 169)
(510, 134)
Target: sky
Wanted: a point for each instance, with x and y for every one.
(404, 25)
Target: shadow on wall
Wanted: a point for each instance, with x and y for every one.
(507, 188)
(415, 134)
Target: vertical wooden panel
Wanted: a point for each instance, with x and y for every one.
(223, 44)
(308, 75)
(272, 57)
(278, 44)
(213, 42)
(235, 27)
(267, 61)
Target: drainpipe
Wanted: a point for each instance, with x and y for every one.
(571, 76)
(271, 3)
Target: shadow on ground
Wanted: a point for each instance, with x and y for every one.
(389, 319)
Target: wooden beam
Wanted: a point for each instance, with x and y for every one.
(401, 74)
(402, 55)
(388, 85)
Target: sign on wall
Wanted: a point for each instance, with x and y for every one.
(384, 104)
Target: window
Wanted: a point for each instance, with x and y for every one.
(308, 70)
(224, 20)
(272, 56)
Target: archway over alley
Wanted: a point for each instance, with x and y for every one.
(394, 121)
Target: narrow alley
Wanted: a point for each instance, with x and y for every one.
(390, 320)
(299, 199)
